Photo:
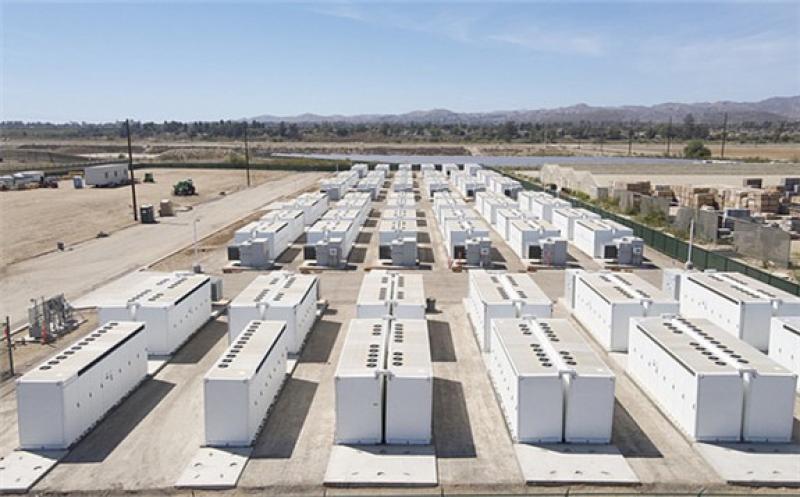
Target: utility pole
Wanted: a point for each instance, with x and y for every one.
(669, 135)
(630, 141)
(246, 154)
(130, 168)
(7, 333)
(724, 135)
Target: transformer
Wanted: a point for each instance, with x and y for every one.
(244, 383)
(630, 250)
(497, 294)
(62, 398)
(551, 386)
(173, 308)
(715, 387)
(604, 302)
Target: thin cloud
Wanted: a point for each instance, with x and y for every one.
(536, 40)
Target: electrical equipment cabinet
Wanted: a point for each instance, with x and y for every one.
(551, 386)
(62, 398)
(329, 242)
(596, 238)
(409, 383)
(488, 203)
(526, 236)
(739, 304)
(604, 302)
(360, 169)
(278, 296)
(359, 383)
(497, 294)
(461, 235)
(173, 309)
(714, 386)
(784, 343)
(244, 383)
(313, 205)
(467, 185)
(398, 241)
(403, 200)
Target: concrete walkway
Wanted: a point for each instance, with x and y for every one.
(95, 262)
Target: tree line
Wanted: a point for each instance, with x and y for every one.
(512, 132)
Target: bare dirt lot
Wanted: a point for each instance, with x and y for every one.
(32, 221)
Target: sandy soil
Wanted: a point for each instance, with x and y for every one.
(32, 221)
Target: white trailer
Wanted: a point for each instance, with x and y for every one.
(62, 398)
(244, 383)
(564, 219)
(359, 384)
(497, 294)
(277, 296)
(714, 386)
(386, 293)
(597, 237)
(604, 302)
(552, 387)
(173, 309)
(106, 175)
(784, 343)
(409, 383)
(739, 304)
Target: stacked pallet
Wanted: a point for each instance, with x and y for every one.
(641, 187)
(694, 196)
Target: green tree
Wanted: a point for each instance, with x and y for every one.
(696, 150)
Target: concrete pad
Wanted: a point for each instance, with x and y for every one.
(620, 358)
(382, 466)
(754, 463)
(213, 468)
(21, 469)
(574, 463)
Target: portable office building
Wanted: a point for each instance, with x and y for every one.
(277, 296)
(540, 204)
(173, 309)
(497, 294)
(564, 219)
(714, 386)
(784, 343)
(596, 237)
(242, 386)
(106, 175)
(409, 383)
(739, 304)
(551, 385)
(62, 398)
(604, 302)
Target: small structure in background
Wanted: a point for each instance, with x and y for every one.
(106, 175)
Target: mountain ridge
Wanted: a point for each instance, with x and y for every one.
(770, 109)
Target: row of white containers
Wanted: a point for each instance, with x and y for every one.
(465, 234)
(329, 240)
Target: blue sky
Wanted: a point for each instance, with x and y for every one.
(101, 61)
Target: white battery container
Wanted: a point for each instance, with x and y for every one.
(173, 308)
(525, 236)
(784, 343)
(739, 304)
(409, 383)
(540, 204)
(242, 386)
(714, 386)
(387, 293)
(277, 296)
(62, 398)
(359, 383)
(597, 237)
(604, 302)
(564, 219)
(497, 294)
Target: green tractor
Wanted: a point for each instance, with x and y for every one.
(184, 188)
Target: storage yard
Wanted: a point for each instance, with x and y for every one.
(422, 324)
(70, 215)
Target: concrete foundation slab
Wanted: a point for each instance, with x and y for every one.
(754, 463)
(155, 363)
(382, 466)
(213, 468)
(574, 463)
(21, 469)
